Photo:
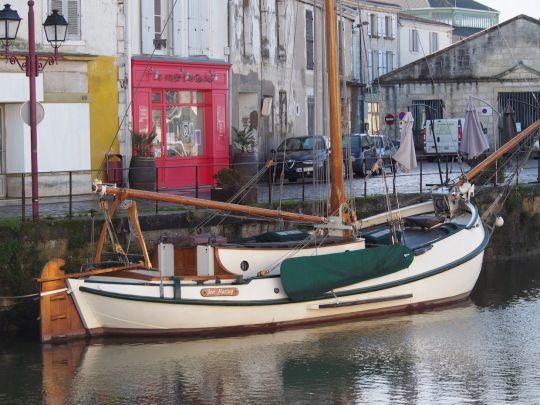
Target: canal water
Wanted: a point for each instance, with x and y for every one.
(485, 350)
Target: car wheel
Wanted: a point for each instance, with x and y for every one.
(363, 169)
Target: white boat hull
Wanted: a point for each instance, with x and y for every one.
(446, 273)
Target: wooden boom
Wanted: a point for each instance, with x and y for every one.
(124, 193)
(479, 168)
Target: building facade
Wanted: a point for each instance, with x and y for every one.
(467, 17)
(379, 54)
(174, 63)
(278, 77)
(419, 37)
(78, 95)
(494, 68)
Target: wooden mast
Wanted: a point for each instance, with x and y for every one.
(475, 171)
(337, 194)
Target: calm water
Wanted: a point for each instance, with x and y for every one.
(486, 350)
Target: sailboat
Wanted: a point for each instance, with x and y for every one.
(410, 258)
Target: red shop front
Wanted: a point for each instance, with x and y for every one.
(186, 104)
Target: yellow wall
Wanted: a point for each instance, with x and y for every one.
(102, 89)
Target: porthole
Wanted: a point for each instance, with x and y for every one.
(276, 290)
(244, 265)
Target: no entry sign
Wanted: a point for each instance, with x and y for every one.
(389, 119)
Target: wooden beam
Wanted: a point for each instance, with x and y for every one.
(199, 202)
(479, 168)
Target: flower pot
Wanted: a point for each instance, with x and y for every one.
(142, 173)
(246, 163)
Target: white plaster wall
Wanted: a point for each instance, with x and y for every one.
(14, 88)
(17, 140)
(63, 139)
(424, 29)
(98, 27)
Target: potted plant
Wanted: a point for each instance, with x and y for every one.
(142, 168)
(228, 182)
(245, 139)
(245, 157)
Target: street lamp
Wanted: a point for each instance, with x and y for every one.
(55, 27)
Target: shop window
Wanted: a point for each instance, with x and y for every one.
(183, 119)
(157, 127)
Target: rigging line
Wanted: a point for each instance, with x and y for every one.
(136, 89)
(297, 248)
(284, 74)
(243, 189)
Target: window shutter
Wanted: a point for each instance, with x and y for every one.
(394, 26)
(410, 41)
(198, 11)
(370, 64)
(309, 40)
(380, 25)
(369, 25)
(383, 26)
(73, 18)
(177, 29)
(394, 60)
(381, 63)
(204, 10)
(70, 10)
(147, 27)
(247, 26)
(356, 55)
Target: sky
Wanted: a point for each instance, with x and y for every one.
(511, 8)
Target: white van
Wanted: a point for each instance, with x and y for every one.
(448, 132)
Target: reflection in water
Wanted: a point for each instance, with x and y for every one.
(482, 351)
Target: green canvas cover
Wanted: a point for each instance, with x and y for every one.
(311, 276)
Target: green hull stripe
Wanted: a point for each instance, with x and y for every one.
(378, 287)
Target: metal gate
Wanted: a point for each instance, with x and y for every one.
(526, 106)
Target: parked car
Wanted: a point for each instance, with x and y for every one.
(363, 153)
(302, 155)
(448, 133)
(385, 149)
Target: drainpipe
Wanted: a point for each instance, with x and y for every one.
(127, 90)
(229, 37)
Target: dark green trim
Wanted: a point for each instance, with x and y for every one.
(384, 286)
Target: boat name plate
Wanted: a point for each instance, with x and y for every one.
(220, 292)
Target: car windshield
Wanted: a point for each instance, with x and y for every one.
(355, 142)
(297, 144)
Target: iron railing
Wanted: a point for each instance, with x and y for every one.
(75, 196)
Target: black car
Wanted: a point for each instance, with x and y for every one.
(363, 153)
(302, 155)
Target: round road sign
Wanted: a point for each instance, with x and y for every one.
(389, 119)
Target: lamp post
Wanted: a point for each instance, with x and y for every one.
(55, 27)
